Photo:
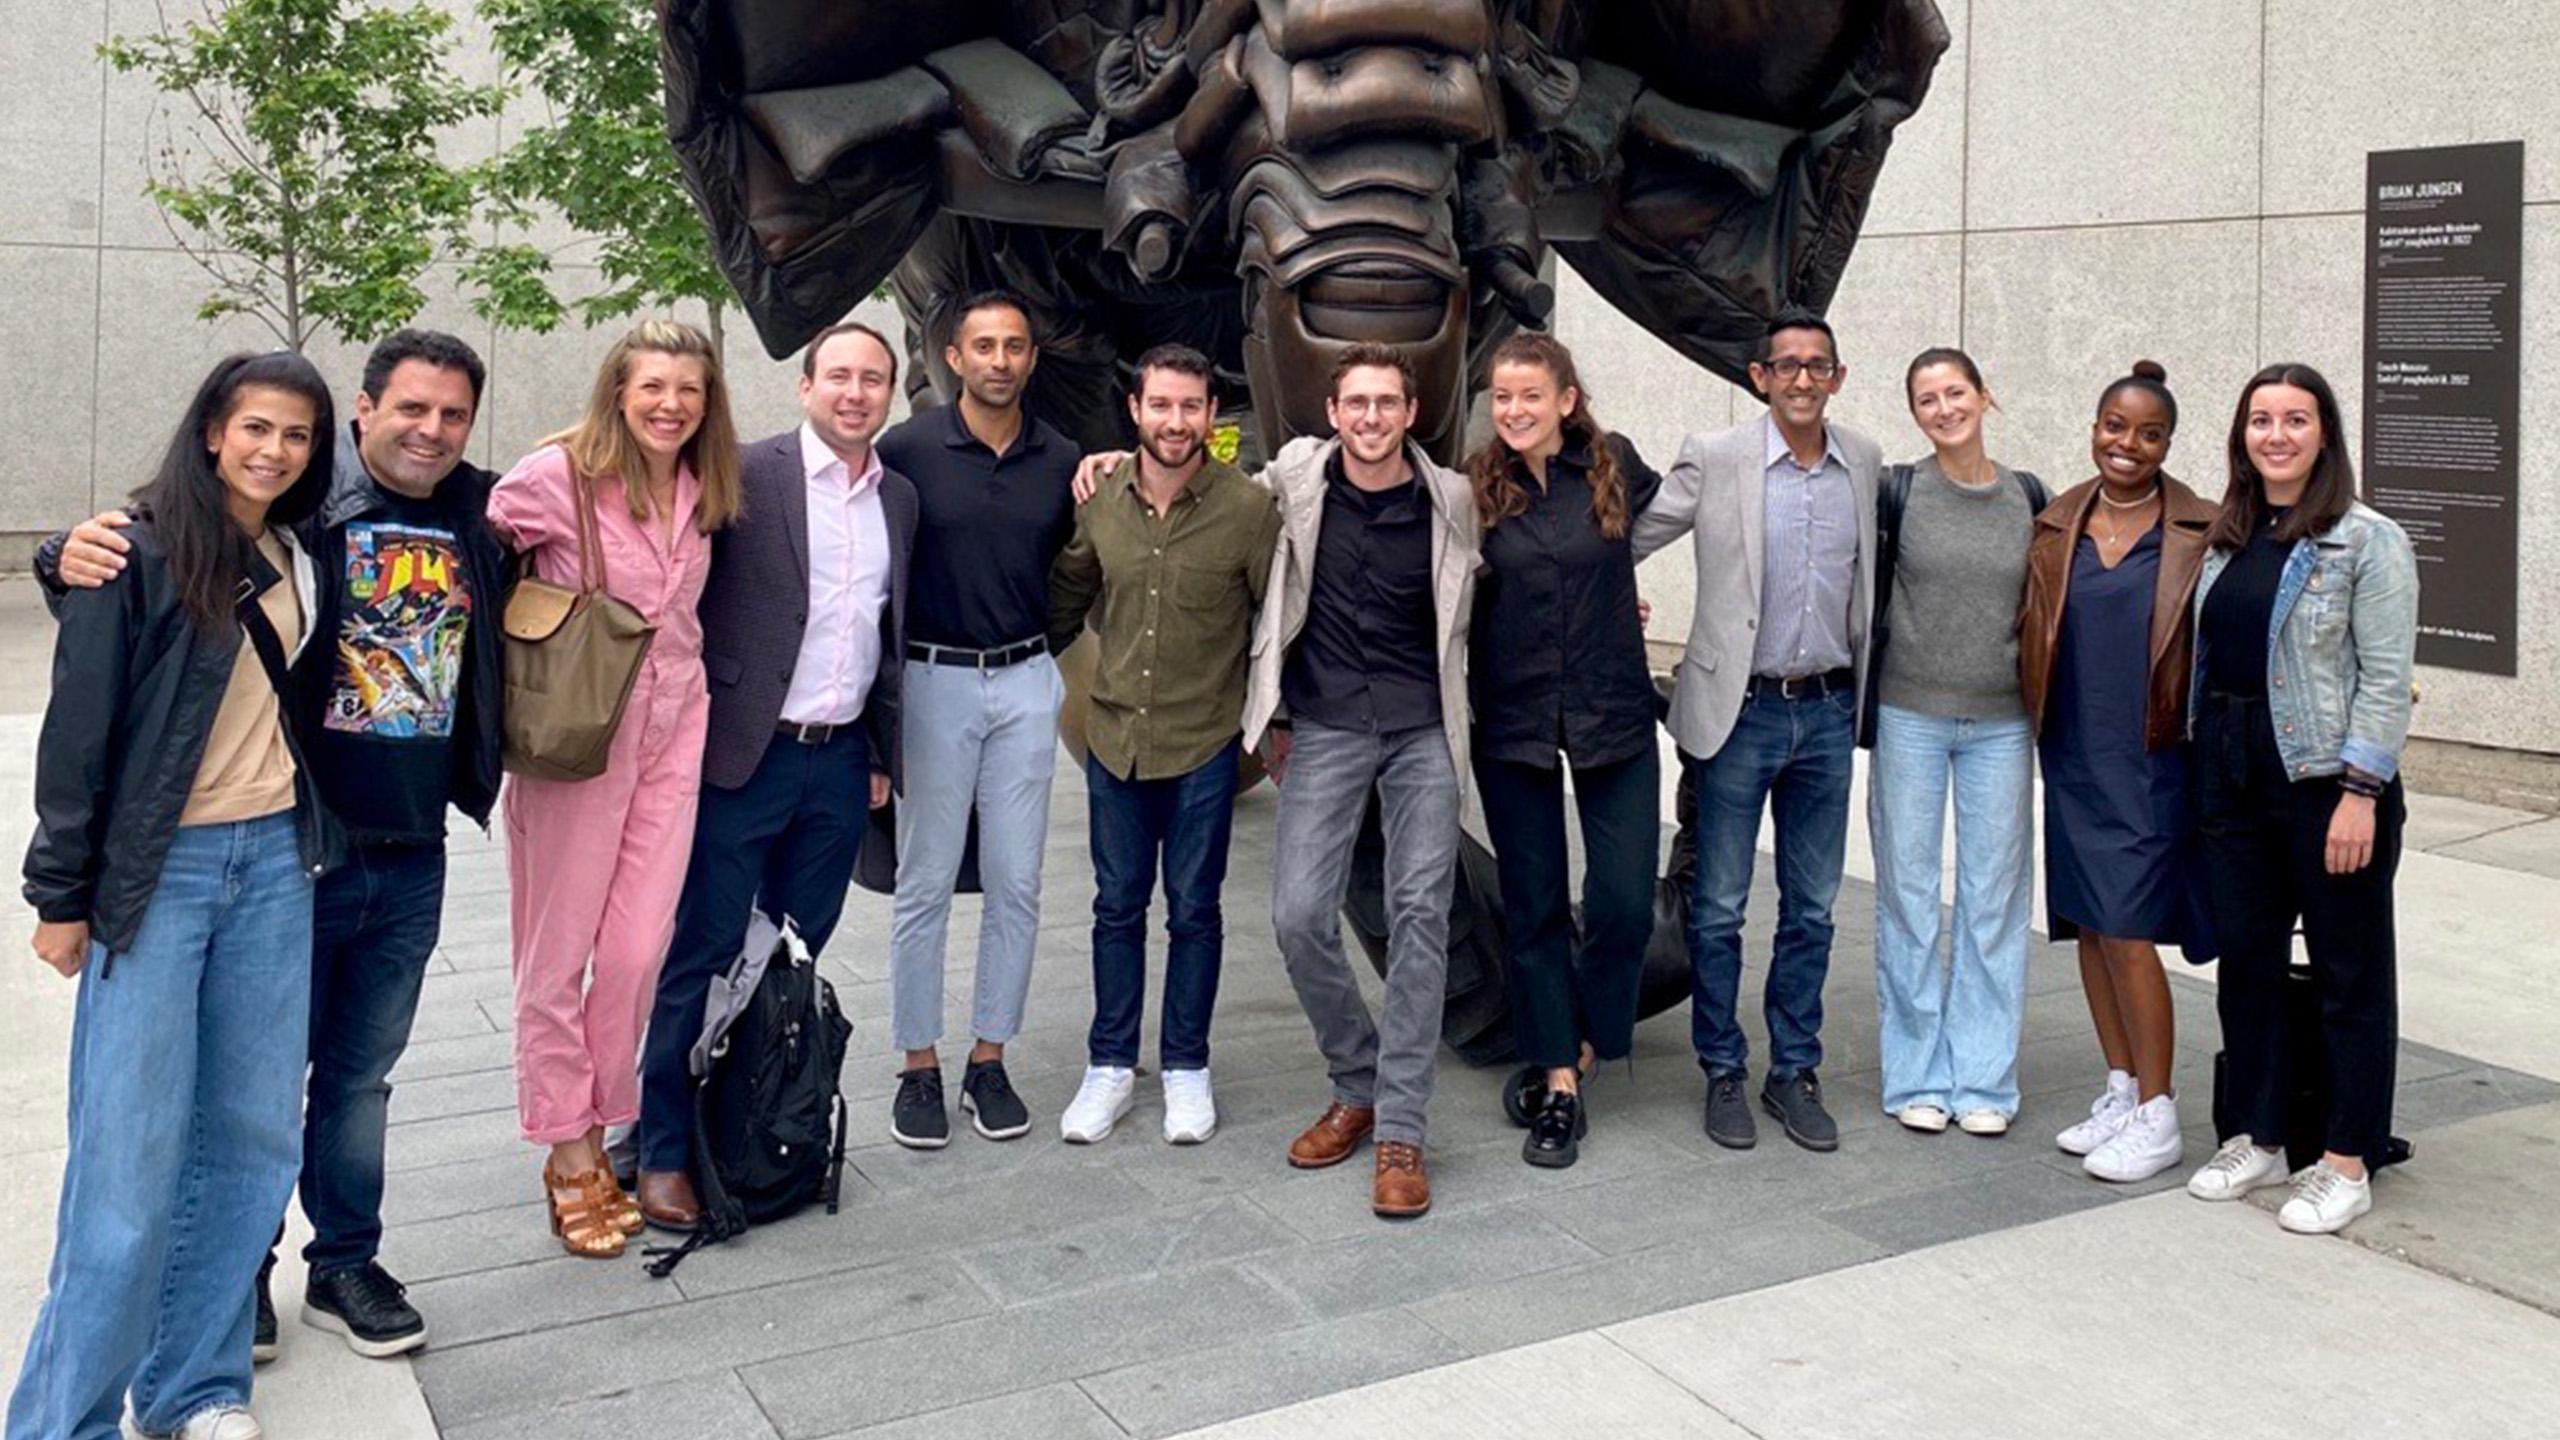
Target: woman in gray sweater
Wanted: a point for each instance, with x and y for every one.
(1945, 715)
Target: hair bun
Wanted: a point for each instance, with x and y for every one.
(2151, 370)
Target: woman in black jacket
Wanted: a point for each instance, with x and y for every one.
(177, 836)
(1557, 671)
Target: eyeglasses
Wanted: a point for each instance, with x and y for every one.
(1790, 368)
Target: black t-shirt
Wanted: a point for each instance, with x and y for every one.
(384, 757)
(987, 528)
(1367, 659)
(2239, 612)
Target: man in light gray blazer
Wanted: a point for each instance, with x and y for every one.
(1781, 510)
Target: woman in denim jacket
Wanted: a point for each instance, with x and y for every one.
(2306, 630)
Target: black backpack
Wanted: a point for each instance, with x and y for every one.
(768, 1120)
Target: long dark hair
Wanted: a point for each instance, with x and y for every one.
(1497, 471)
(185, 499)
(2326, 495)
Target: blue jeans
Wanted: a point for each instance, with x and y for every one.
(186, 1099)
(374, 923)
(1793, 757)
(785, 842)
(1187, 820)
(1950, 1033)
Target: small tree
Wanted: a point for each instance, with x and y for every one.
(601, 159)
(302, 173)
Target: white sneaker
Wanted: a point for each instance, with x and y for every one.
(2324, 1200)
(1190, 1112)
(2147, 1144)
(1983, 1122)
(2240, 1166)
(2106, 1116)
(1927, 1119)
(1105, 1096)
(226, 1422)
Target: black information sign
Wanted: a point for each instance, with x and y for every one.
(2444, 249)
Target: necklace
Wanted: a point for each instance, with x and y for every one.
(2135, 504)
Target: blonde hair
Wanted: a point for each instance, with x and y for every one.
(600, 444)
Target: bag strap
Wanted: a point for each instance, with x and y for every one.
(723, 1218)
(2037, 496)
(591, 577)
(264, 639)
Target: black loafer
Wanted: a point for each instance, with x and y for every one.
(1797, 1104)
(1555, 1136)
(1729, 1121)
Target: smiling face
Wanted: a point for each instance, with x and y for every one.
(1529, 407)
(1800, 376)
(1948, 406)
(846, 394)
(260, 449)
(1172, 413)
(663, 398)
(2130, 440)
(413, 436)
(993, 355)
(2283, 436)
(1372, 412)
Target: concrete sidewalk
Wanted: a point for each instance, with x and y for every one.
(1663, 1286)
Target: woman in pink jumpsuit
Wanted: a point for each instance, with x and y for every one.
(594, 866)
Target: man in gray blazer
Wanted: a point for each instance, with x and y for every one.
(803, 639)
(1781, 510)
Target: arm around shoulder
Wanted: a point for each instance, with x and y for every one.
(1674, 510)
(535, 504)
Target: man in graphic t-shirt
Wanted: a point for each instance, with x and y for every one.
(406, 705)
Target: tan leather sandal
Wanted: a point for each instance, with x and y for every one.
(582, 1213)
(625, 1209)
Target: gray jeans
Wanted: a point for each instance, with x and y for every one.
(1386, 1063)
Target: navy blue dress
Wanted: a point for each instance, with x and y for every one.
(2115, 814)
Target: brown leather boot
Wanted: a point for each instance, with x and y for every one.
(1401, 1190)
(1333, 1137)
(667, 1200)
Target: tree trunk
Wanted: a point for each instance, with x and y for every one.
(718, 311)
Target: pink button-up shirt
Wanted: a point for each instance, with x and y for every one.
(534, 508)
(848, 585)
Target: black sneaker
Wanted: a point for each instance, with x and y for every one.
(368, 1307)
(1797, 1104)
(1729, 1121)
(987, 1098)
(262, 1340)
(917, 1119)
(1555, 1136)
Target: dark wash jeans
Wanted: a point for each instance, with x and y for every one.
(1184, 823)
(374, 924)
(785, 841)
(1568, 991)
(1792, 756)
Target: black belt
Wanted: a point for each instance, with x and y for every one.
(996, 659)
(813, 732)
(1803, 687)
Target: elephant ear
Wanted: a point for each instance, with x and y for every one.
(821, 137)
(1726, 150)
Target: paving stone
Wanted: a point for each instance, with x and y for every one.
(1126, 1247)
(544, 1368)
(1052, 1412)
(2465, 1095)
(1399, 1263)
(2009, 1196)
(1165, 1397)
(444, 1097)
(456, 1055)
(1082, 1334)
(416, 1144)
(1490, 1318)
(695, 1408)
(1334, 1204)
(505, 1237)
(559, 1290)
(491, 1182)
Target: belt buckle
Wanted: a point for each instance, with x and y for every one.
(1787, 686)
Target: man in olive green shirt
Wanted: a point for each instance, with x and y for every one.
(1169, 560)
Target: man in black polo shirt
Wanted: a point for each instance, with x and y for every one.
(981, 719)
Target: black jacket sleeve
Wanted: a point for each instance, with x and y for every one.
(48, 568)
(75, 751)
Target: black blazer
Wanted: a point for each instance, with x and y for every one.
(755, 611)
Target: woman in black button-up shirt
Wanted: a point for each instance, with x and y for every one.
(1557, 676)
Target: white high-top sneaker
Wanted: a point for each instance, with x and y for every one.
(2148, 1143)
(1105, 1096)
(2106, 1116)
(1190, 1112)
(2240, 1166)
(2324, 1200)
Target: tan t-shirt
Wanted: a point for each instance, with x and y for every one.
(247, 772)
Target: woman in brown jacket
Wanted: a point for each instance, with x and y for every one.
(2104, 649)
